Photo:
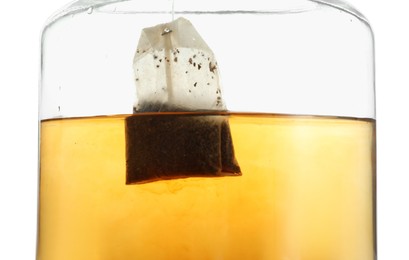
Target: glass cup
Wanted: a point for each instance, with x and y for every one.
(241, 130)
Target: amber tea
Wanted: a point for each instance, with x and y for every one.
(306, 192)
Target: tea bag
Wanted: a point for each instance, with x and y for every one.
(175, 71)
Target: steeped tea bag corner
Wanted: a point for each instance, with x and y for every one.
(176, 70)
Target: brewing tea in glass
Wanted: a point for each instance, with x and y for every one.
(207, 130)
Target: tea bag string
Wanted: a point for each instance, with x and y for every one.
(173, 10)
(168, 51)
(168, 69)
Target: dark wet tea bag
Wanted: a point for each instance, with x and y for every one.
(177, 129)
(170, 146)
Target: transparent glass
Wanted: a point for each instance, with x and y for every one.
(297, 84)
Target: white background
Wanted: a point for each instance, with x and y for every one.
(20, 26)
